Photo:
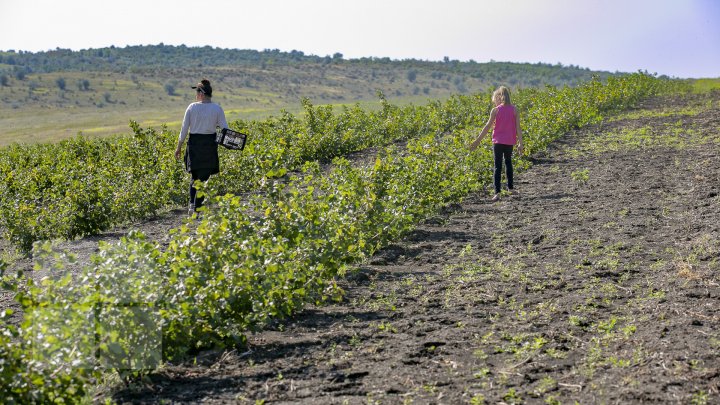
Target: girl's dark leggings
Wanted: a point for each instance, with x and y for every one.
(502, 152)
(202, 175)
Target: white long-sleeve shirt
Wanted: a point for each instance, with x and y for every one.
(202, 118)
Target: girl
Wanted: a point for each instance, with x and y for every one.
(505, 121)
(201, 156)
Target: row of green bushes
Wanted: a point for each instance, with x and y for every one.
(83, 186)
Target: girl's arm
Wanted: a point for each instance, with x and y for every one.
(518, 131)
(486, 128)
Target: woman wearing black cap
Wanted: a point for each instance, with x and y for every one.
(201, 156)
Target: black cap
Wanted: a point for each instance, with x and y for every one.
(204, 87)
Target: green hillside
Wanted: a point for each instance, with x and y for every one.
(48, 96)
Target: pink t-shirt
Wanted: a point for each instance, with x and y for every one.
(505, 131)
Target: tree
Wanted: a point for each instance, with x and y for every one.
(296, 55)
(411, 75)
(170, 89)
(60, 83)
(4, 80)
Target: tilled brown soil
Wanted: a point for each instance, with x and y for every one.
(597, 283)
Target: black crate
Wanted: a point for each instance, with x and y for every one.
(231, 139)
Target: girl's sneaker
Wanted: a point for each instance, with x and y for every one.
(496, 197)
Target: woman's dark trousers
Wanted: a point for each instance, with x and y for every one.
(202, 175)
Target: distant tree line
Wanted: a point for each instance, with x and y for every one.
(136, 58)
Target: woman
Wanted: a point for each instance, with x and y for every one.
(201, 157)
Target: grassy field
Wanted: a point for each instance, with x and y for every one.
(36, 109)
(62, 102)
(704, 85)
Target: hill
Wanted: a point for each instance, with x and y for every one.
(47, 96)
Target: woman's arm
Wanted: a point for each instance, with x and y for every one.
(222, 121)
(183, 133)
(486, 128)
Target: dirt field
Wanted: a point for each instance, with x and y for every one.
(598, 283)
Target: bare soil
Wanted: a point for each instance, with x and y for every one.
(598, 282)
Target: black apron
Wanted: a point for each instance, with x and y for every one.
(202, 153)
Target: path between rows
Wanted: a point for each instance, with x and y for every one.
(156, 228)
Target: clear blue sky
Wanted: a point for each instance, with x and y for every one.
(679, 38)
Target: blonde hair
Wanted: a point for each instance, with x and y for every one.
(501, 96)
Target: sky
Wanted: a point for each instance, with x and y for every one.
(678, 38)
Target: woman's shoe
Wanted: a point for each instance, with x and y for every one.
(496, 197)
